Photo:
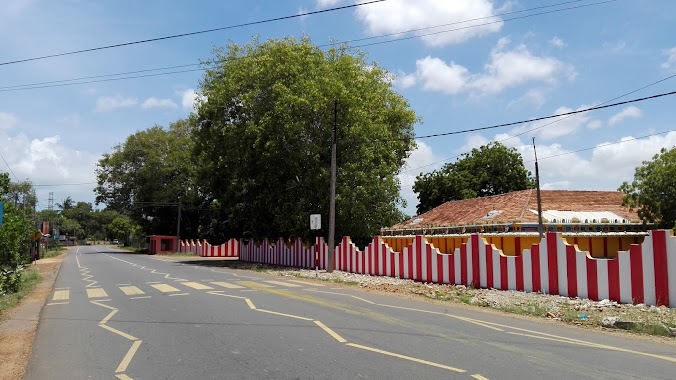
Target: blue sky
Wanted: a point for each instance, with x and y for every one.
(502, 71)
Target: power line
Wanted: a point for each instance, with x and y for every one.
(9, 167)
(550, 123)
(592, 147)
(191, 33)
(541, 118)
(84, 80)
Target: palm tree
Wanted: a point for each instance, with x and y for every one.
(66, 204)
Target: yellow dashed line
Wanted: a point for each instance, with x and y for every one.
(57, 303)
(178, 294)
(131, 290)
(107, 318)
(306, 283)
(96, 293)
(61, 295)
(197, 285)
(287, 284)
(118, 332)
(479, 377)
(252, 284)
(406, 357)
(123, 377)
(251, 305)
(330, 332)
(127, 358)
(282, 314)
(138, 298)
(227, 285)
(164, 288)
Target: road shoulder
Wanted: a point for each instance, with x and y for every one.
(17, 331)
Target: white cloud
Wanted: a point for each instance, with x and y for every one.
(421, 160)
(473, 141)
(394, 16)
(549, 129)
(559, 185)
(608, 166)
(534, 96)
(627, 113)
(109, 103)
(557, 42)
(191, 99)
(8, 121)
(595, 124)
(671, 58)
(154, 102)
(437, 75)
(321, 4)
(515, 67)
(505, 68)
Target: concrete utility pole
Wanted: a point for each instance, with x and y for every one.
(332, 199)
(537, 184)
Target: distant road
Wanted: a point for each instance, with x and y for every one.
(127, 316)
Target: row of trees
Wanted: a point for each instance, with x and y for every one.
(80, 221)
(254, 159)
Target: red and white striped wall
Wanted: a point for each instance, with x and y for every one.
(204, 249)
(646, 273)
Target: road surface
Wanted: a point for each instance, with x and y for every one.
(128, 316)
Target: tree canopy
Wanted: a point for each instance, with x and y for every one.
(488, 170)
(263, 140)
(147, 177)
(653, 191)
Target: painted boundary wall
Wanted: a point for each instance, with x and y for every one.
(645, 273)
(204, 249)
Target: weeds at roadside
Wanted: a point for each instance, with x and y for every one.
(29, 279)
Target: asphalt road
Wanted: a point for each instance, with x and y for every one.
(126, 316)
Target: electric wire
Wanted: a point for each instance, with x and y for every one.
(304, 14)
(83, 80)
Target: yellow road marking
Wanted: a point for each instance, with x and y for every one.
(197, 285)
(131, 290)
(123, 377)
(63, 288)
(164, 288)
(306, 283)
(227, 285)
(407, 358)
(330, 332)
(107, 318)
(96, 293)
(581, 342)
(341, 294)
(252, 284)
(122, 284)
(138, 298)
(282, 314)
(57, 303)
(178, 294)
(153, 282)
(479, 377)
(251, 305)
(361, 299)
(76, 259)
(61, 295)
(469, 320)
(102, 305)
(287, 284)
(248, 301)
(118, 332)
(127, 358)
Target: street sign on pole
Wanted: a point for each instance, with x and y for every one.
(316, 222)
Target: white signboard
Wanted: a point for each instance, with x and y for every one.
(316, 222)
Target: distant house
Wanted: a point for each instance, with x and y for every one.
(594, 220)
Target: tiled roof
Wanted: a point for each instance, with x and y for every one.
(515, 207)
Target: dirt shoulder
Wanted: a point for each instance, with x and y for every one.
(19, 324)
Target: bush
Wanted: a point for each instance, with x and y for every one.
(10, 279)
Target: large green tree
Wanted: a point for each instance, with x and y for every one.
(488, 170)
(263, 140)
(653, 191)
(147, 177)
(16, 230)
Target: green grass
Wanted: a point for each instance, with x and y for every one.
(52, 252)
(29, 279)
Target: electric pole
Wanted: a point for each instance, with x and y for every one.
(332, 199)
(178, 224)
(537, 184)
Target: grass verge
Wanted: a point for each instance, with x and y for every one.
(53, 252)
(29, 279)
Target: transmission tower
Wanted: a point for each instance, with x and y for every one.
(50, 203)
